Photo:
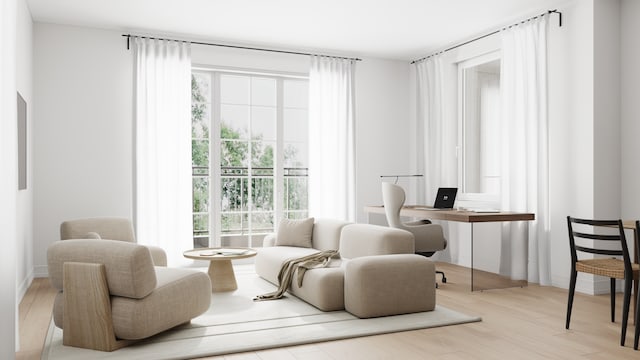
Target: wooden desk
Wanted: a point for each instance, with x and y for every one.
(464, 217)
(455, 215)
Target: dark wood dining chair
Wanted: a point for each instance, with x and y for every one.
(600, 234)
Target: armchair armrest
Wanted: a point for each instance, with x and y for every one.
(158, 255)
(128, 266)
(358, 240)
(87, 319)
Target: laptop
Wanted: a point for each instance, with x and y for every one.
(445, 198)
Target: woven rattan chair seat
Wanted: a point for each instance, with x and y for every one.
(613, 268)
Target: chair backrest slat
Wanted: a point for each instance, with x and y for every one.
(597, 236)
(595, 222)
(605, 227)
(599, 251)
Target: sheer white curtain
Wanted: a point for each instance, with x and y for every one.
(436, 138)
(331, 139)
(163, 146)
(430, 108)
(436, 129)
(525, 157)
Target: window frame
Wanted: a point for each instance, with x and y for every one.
(491, 199)
(215, 174)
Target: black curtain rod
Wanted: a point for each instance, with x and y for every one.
(495, 32)
(129, 36)
(395, 176)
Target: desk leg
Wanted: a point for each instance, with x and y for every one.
(471, 256)
(485, 279)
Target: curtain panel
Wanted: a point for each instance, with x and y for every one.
(430, 109)
(525, 149)
(331, 138)
(436, 139)
(163, 197)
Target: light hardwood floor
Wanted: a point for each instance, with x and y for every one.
(518, 323)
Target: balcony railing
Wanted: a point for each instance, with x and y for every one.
(242, 229)
(235, 171)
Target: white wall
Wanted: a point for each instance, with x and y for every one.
(9, 180)
(24, 84)
(585, 127)
(607, 124)
(213, 56)
(382, 128)
(83, 130)
(606, 95)
(571, 133)
(630, 107)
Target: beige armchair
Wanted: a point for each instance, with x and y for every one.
(110, 293)
(112, 228)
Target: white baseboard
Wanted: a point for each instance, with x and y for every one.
(586, 284)
(24, 286)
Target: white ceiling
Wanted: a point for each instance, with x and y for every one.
(394, 29)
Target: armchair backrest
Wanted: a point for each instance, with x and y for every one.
(393, 198)
(129, 267)
(111, 228)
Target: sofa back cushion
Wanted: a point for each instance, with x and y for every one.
(326, 234)
(359, 240)
(129, 267)
(112, 228)
(296, 232)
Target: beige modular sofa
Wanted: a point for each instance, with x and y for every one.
(377, 274)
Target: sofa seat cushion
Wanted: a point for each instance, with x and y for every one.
(180, 295)
(322, 288)
(270, 259)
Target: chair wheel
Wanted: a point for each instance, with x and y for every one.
(444, 280)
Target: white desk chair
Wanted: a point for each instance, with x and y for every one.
(429, 237)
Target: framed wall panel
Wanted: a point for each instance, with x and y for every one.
(22, 143)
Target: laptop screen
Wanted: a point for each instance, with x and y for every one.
(445, 198)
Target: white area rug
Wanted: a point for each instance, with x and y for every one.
(235, 323)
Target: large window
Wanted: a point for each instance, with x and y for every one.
(249, 155)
